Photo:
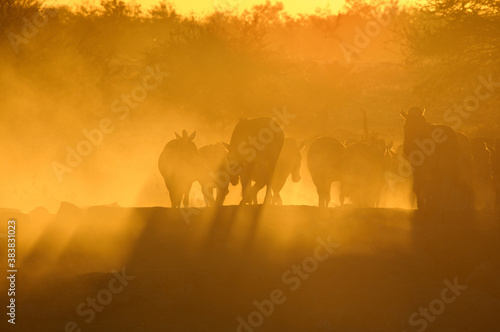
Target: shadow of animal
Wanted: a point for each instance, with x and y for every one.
(178, 164)
(325, 160)
(254, 149)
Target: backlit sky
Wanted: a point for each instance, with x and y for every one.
(206, 6)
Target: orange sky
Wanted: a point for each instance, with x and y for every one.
(205, 6)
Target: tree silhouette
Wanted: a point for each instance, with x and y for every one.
(452, 42)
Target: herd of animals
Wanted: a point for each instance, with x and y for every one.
(448, 171)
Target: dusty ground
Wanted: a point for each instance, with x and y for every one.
(199, 270)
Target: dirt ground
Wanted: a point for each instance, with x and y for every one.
(254, 268)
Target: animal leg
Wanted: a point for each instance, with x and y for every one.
(269, 182)
(245, 187)
(175, 198)
(327, 197)
(221, 196)
(186, 196)
(269, 195)
(324, 195)
(209, 199)
(208, 196)
(342, 194)
(276, 199)
(255, 191)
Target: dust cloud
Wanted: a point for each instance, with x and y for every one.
(91, 94)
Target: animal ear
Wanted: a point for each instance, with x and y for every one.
(302, 145)
(404, 114)
(193, 135)
(177, 135)
(226, 145)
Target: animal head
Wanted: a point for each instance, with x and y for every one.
(214, 152)
(185, 135)
(185, 147)
(414, 120)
